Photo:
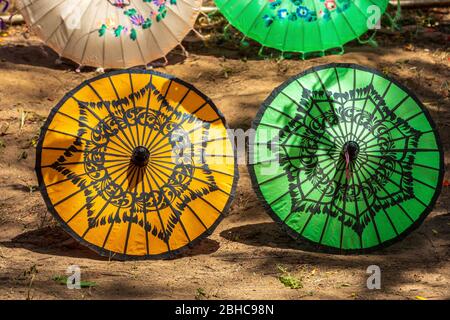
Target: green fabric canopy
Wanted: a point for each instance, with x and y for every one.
(302, 25)
(346, 158)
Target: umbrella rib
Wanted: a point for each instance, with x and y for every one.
(402, 150)
(387, 193)
(45, 14)
(159, 111)
(173, 11)
(344, 198)
(194, 178)
(100, 121)
(192, 144)
(384, 117)
(108, 154)
(166, 239)
(384, 132)
(144, 61)
(397, 139)
(200, 197)
(339, 139)
(112, 115)
(357, 210)
(290, 146)
(284, 174)
(311, 214)
(354, 101)
(200, 168)
(178, 215)
(85, 125)
(150, 85)
(306, 112)
(376, 105)
(72, 135)
(89, 36)
(328, 216)
(82, 162)
(322, 112)
(201, 126)
(83, 174)
(121, 107)
(244, 9)
(118, 17)
(287, 192)
(343, 14)
(298, 134)
(368, 207)
(277, 159)
(58, 26)
(187, 205)
(318, 28)
(333, 150)
(281, 112)
(356, 134)
(339, 86)
(381, 206)
(110, 229)
(152, 145)
(212, 140)
(104, 41)
(197, 155)
(162, 53)
(309, 156)
(336, 32)
(138, 171)
(74, 31)
(145, 212)
(84, 187)
(134, 107)
(170, 30)
(286, 32)
(107, 202)
(398, 172)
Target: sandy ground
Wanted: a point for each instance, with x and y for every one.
(245, 255)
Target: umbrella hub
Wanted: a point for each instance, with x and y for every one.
(140, 156)
(351, 150)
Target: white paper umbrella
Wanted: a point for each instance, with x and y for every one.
(111, 33)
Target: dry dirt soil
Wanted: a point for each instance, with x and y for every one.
(246, 255)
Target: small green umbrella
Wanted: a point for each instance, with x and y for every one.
(302, 25)
(346, 158)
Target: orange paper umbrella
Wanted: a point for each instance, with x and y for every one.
(136, 164)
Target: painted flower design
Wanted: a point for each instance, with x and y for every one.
(137, 20)
(281, 10)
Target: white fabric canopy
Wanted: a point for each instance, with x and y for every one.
(111, 33)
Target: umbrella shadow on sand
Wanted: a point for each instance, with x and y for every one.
(43, 56)
(53, 240)
(422, 253)
(269, 234)
(32, 55)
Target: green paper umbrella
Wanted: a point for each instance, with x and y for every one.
(346, 158)
(302, 25)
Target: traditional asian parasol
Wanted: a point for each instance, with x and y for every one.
(111, 33)
(136, 164)
(303, 26)
(346, 158)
